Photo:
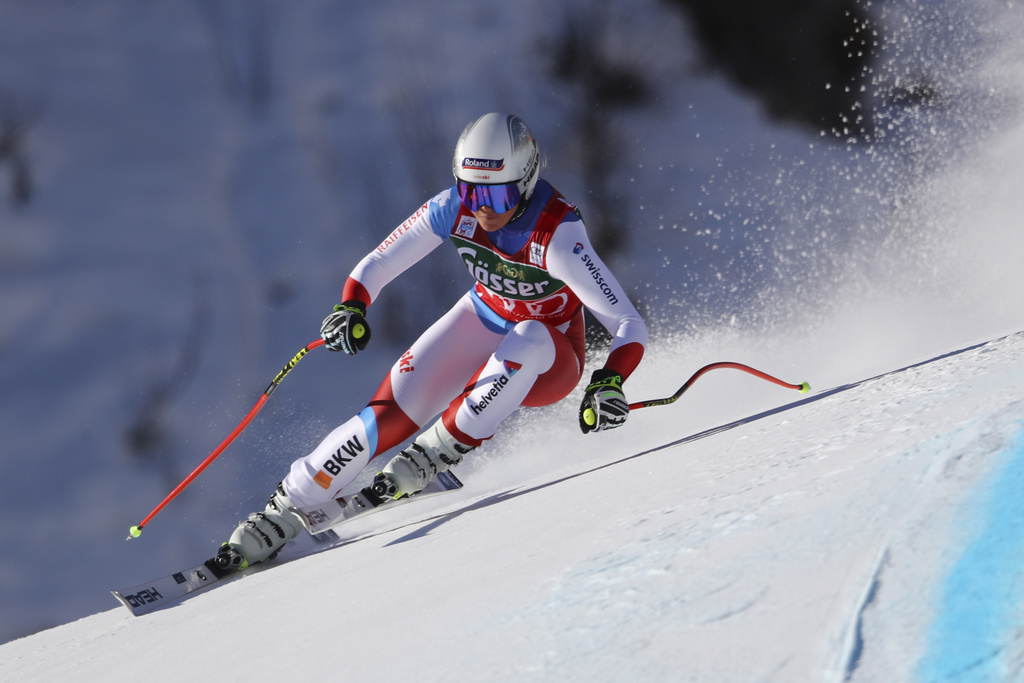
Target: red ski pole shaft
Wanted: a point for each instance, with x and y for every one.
(136, 530)
(802, 387)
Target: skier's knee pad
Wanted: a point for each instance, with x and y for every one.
(529, 344)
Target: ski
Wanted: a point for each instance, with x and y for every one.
(339, 510)
(153, 595)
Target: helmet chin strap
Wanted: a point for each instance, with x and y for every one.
(524, 204)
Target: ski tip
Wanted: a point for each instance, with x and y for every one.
(120, 599)
(804, 387)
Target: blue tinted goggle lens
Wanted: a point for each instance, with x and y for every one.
(501, 198)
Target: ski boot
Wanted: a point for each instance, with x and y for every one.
(434, 451)
(262, 536)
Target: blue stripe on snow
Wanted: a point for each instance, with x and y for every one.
(983, 594)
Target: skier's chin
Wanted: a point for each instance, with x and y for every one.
(491, 220)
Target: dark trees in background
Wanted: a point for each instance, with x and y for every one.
(806, 60)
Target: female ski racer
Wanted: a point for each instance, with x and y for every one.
(515, 339)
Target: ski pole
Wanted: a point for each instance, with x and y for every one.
(136, 530)
(803, 387)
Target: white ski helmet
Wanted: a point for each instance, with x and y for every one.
(497, 149)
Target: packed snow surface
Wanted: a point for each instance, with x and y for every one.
(815, 541)
(204, 176)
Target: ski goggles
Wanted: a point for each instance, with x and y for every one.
(500, 198)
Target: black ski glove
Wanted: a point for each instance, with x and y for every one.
(346, 329)
(604, 405)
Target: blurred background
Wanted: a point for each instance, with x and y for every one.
(827, 188)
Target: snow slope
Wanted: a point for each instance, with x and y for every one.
(815, 541)
(169, 211)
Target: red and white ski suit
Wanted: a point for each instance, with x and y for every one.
(516, 338)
